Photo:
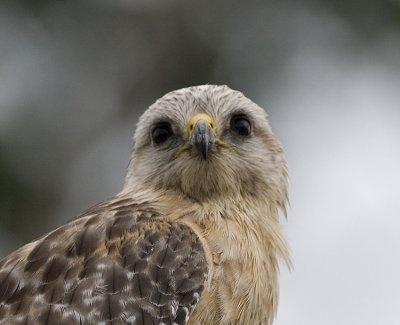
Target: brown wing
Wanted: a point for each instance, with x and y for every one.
(114, 266)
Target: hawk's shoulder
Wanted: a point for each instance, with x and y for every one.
(120, 261)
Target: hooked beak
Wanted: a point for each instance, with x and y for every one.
(202, 135)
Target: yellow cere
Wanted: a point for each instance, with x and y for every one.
(204, 117)
(192, 122)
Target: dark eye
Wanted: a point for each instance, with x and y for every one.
(241, 125)
(161, 133)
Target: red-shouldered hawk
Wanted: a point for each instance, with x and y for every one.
(193, 237)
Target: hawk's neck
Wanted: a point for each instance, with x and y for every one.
(243, 242)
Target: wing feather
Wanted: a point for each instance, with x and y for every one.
(117, 264)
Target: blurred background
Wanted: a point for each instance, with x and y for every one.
(75, 76)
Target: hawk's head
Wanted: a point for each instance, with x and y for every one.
(205, 142)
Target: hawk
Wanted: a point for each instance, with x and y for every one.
(192, 238)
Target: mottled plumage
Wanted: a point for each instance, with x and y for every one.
(121, 262)
(193, 238)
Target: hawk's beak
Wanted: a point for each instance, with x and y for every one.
(202, 133)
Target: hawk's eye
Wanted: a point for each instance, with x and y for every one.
(241, 125)
(161, 133)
